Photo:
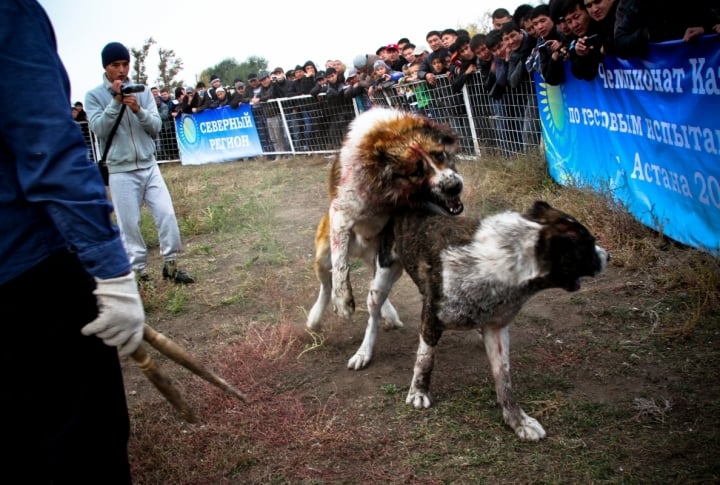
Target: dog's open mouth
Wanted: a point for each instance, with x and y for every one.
(447, 206)
(454, 206)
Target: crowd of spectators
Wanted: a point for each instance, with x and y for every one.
(542, 38)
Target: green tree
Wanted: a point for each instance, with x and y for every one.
(229, 69)
(140, 65)
(169, 67)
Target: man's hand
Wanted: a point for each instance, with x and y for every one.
(121, 315)
(692, 33)
(131, 102)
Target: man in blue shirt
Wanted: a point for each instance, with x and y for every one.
(65, 278)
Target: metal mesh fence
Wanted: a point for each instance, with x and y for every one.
(506, 127)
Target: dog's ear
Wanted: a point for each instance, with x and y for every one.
(539, 212)
(567, 227)
(442, 133)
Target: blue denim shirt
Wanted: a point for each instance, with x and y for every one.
(51, 195)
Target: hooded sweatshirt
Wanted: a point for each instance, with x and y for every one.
(133, 146)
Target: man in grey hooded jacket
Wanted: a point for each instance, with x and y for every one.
(135, 177)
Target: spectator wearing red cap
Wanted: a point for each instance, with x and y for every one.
(393, 58)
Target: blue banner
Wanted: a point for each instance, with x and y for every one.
(648, 132)
(217, 135)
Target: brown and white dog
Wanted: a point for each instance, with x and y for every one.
(477, 274)
(390, 160)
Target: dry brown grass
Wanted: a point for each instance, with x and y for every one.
(249, 229)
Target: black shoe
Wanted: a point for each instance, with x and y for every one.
(142, 276)
(143, 280)
(171, 272)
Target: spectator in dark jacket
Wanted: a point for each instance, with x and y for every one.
(269, 90)
(463, 64)
(548, 56)
(239, 96)
(638, 22)
(585, 51)
(520, 45)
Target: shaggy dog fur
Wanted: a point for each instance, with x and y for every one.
(477, 274)
(390, 160)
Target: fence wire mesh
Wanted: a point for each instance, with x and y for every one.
(506, 127)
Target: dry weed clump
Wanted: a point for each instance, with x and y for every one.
(648, 408)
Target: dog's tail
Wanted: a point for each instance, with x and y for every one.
(334, 178)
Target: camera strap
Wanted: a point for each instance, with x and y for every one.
(103, 160)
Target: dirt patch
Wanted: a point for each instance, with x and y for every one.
(593, 366)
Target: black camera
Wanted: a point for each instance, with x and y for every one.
(593, 40)
(547, 47)
(132, 89)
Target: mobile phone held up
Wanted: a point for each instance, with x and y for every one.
(593, 40)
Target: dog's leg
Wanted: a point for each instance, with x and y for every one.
(322, 271)
(497, 347)
(419, 394)
(390, 317)
(340, 234)
(322, 266)
(380, 287)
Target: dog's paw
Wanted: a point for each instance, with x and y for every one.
(391, 324)
(530, 429)
(359, 361)
(419, 399)
(390, 317)
(343, 305)
(314, 320)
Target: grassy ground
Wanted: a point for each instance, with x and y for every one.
(622, 375)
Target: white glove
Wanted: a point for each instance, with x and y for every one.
(121, 315)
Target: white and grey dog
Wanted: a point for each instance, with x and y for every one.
(477, 274)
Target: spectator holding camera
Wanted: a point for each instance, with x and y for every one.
(278, 77)
(585, 51)
(135, 177)
(548, 56)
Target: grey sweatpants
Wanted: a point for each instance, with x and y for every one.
(129, 190)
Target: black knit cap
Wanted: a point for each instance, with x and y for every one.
(114, 51)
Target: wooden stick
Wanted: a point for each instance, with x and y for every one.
(173, 351)
(163, 384)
